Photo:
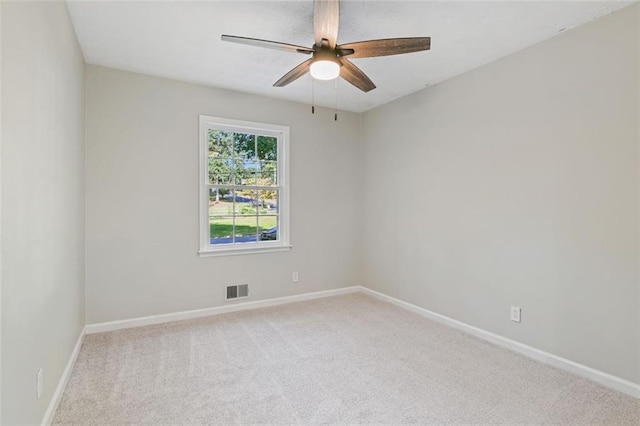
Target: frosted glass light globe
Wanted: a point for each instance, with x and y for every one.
(325, 70)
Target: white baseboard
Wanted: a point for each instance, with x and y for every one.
(62, 383)
(198, 313)
(601, 377)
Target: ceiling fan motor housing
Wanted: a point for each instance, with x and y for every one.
(326, 54)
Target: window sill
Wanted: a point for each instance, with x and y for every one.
(243, 250)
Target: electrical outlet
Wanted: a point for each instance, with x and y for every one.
(515, 313)
(296, 278)
(39, 383)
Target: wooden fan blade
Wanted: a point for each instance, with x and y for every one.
(385, 47)
(326, 21)
(267, 43)
(294, 74)
(355, 76)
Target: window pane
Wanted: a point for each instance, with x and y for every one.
(268, 173)
(245, 164)
(244, 145)
(267, 148)
(220, 202)
(246, 202)
(268, 201)
(268, 228)
(220, 171)
(220, 143)
(247, 172)
(246, 229)
(221, 229)
(220, 216)
(220, 156)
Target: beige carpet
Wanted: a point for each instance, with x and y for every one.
(341, 360)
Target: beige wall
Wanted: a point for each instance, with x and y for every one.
(0, 211)
(517, 183)
(637, 10)
(142, 198)
(42, 202)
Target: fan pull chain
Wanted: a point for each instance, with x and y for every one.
(335, 115)
(313, 95)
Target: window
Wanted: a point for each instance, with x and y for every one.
(244, 194)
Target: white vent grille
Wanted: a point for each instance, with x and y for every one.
(243, 290)
(237, 292)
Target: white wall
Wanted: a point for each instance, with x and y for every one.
(0, 211)
(142, 198)
(42, 202)
(517, 183)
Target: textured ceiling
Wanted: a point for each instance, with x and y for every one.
(181, 40)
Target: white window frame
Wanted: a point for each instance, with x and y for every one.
(282, 135)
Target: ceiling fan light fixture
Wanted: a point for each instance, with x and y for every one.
(325, 69)
(329, 59)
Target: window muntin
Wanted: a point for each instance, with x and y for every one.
(244, 193)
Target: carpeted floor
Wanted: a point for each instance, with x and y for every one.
(341, 360)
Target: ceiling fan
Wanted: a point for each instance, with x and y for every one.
(329, 59)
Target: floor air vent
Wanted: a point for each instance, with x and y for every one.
(237, 291)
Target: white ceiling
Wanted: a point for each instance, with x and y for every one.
(181, 40)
